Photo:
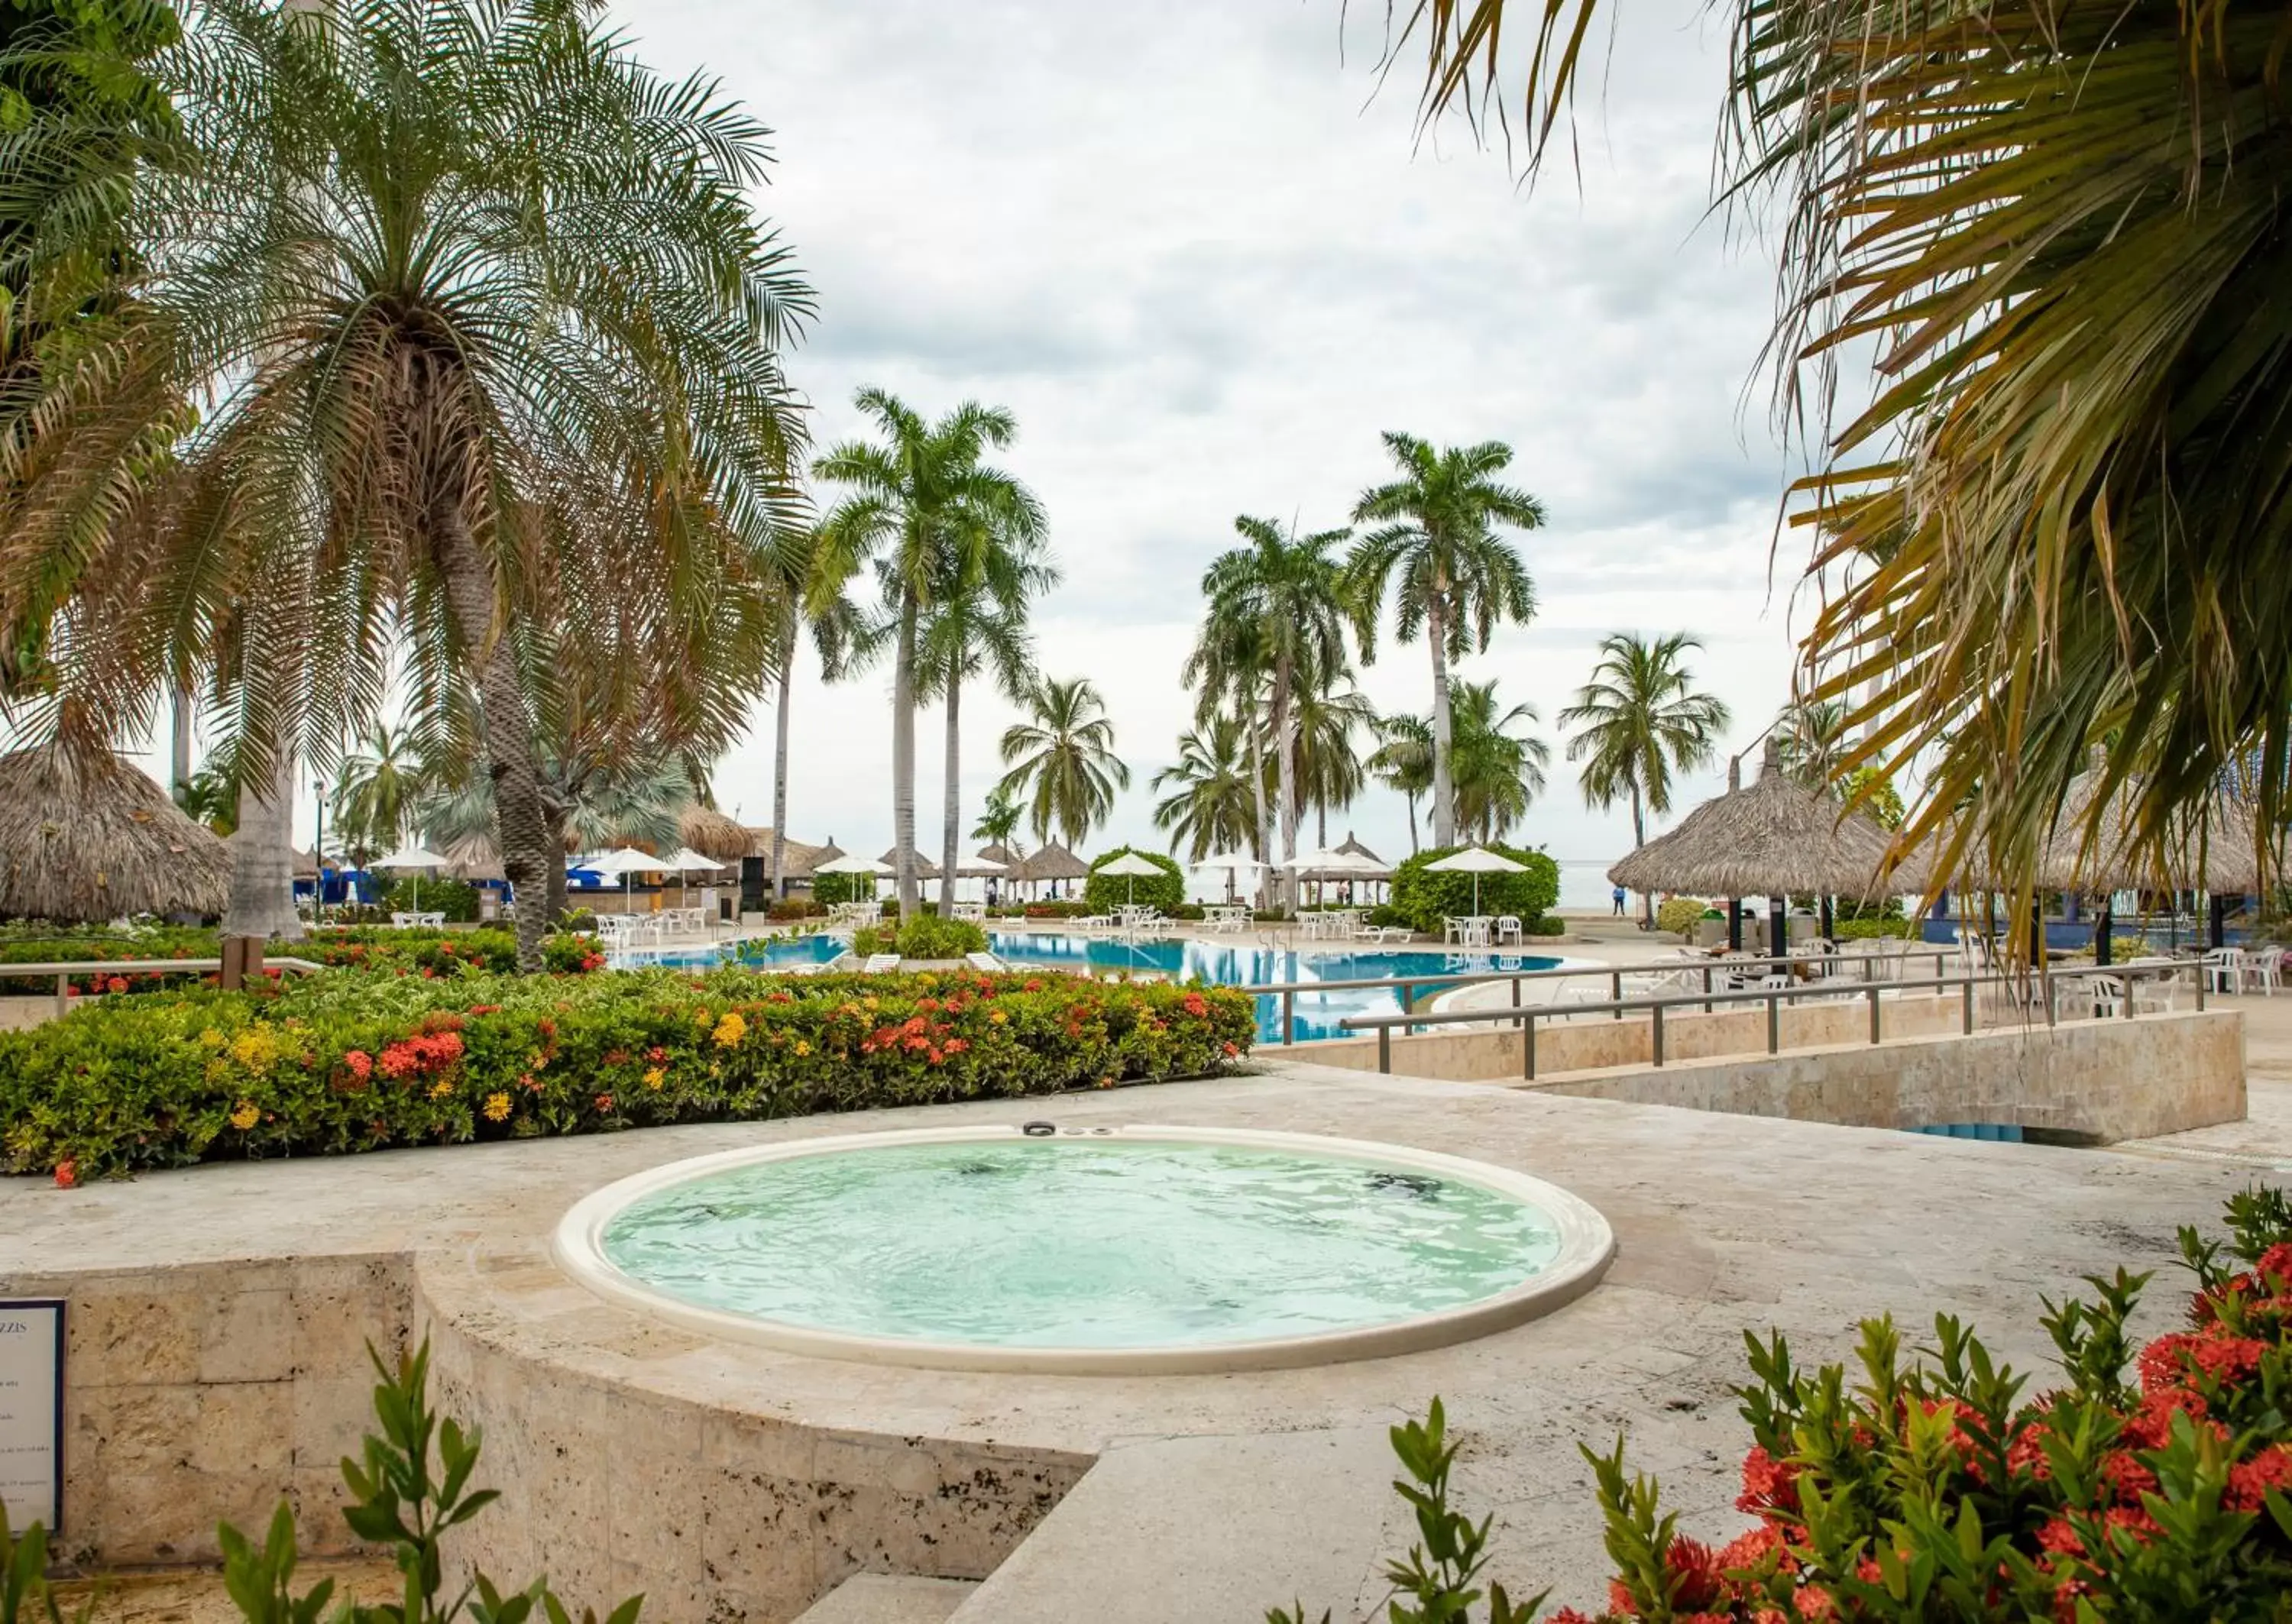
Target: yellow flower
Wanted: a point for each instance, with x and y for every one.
(997, 1018)
(496, 1107)
(245, 1117)
(255, 1048)
(210, 1038)
(653, 1077)
(872, 1002)
(802, 1047)
(730, 1030)
(440, 1089)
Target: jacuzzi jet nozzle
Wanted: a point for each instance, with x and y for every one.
(1039, 1130)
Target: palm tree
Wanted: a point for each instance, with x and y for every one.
(1212, 805)
(921, 505)
(1814, 739)
(375, 793)
(2061, 240)
(209, 797)
(1637, 722)
(1329, 772)
(1450, 575)
(1403, 761)
(1499, 775)
(1282, 594)
(1065, 751)
(489, 328)
(1227, 669)
(998, 821)
(812, 596)
(977, 623)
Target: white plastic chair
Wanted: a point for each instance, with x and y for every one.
(2265, 970)
(1507, 927)
(2223, 969)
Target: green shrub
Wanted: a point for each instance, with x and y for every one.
(1424, 898)
(383, 947)
(790, 908)
(828, 890)
(351, 1061)
(924, 936)
(456, 899)
(582, 920)
(1928, 1487)
(39, 943)
(1680, 916)
(1549, 925)
(1385, 913)
(1189, 911)
(1876, 929)
(1104, 893)
(1056, 910)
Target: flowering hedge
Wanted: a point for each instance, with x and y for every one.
(352, 1062)
(408, 952)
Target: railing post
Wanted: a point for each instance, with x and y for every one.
(2130, 983)
(1384, 1049)
(1289, 1015)
(63, 994)
(1966, 988)
(1774, 1023)
(1656, 1029)
(1528, 1045)
(1616, 990)
(1706, 989)
(1874, 1014)
(1409, 1006)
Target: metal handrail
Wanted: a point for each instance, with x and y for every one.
(65, 970)
(1526, 1016)
(1287, 990)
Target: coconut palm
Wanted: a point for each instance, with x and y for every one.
(1062, 759)
(2060, 230)
(1638, 722)
(1282, 594)
(1229, 671)
(376, 793)
(920, 505)
(1329, 772)
(1451, 577)
(488, 328)
(1212, 805)
(1498, 774)
(998, 821)
(977, 624)
(1403, 761)
(1814, 739)
(812, 596)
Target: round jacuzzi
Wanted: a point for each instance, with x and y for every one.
(1087, 1249)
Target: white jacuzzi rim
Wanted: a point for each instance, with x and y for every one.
(1586, 1247)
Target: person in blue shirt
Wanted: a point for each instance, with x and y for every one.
(1619, 902)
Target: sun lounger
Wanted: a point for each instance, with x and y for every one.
(986, 963)
(881, 964)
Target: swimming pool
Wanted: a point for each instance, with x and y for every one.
(1217, 963)
(1087, 1248)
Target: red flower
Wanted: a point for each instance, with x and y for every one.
(655, 1054)
(604, 1102)
(1196, 1005)
(1697, 1571)
(2250, 1480)
(1767, 1484)
(361, 1063)
(118, 983)
(1231, 1049)
(67, 1173)
(1034, 985)
(2165, 1362)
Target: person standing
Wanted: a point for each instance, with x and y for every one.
(1619, 902)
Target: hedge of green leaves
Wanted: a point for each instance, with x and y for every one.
(924, 936)
(1421, 898)
(354, 1061)
(1103, 893)
(407, 952)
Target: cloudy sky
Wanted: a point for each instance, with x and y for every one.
(1205, 261)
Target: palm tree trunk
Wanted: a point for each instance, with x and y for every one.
(560, 890)
(1264, 821)
(1639, 838)
(1285, 766)
(1411, 800)
(780, 761)
(505, 726)
(263, 856)
(903, 758)
(953, 796)
(179, 765)
(1321, 824)
(1444, 790)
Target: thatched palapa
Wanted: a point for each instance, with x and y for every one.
(712, 834)
(801, 858)
(85, 837)
(1354, 848)
(1774, 839)
(1051, 862)
(2086, 857)
(473, 859)
(925, 869)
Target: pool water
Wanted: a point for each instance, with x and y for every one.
(1079, 1243)
(1217, 963)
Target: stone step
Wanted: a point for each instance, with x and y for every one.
(889, 1598)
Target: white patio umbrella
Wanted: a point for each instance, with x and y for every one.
(1476, 861)
(1331, 864)
(869, 866)
(415, 858)
(624, 861)
(1130, 865)
(1234, 864)
(685, 860)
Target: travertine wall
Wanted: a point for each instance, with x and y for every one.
(2097, 1081)
(205, 1393)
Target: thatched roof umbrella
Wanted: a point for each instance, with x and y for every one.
(85, 837)
(712, 834)
(1050, 862)
(925, 869)
(1777, 837)
(473, 857)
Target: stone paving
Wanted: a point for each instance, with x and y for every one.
(1215, 1497)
